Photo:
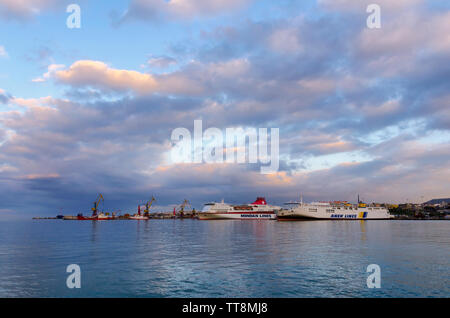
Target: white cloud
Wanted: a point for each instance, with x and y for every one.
(161, 61)
(3, 52)
(193, 80)
(50, 71)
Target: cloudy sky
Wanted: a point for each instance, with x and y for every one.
(92, 110)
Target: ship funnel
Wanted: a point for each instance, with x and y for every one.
(260, 201)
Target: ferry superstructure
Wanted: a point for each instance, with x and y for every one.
(338, 210)
(258, 210)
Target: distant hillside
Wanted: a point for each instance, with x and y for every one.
(438, 201)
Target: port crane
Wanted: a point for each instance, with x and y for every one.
(148, 205)
(96, 204)
(182, 206)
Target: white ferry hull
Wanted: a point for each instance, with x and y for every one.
(237, 216)
(328, 213)
(258, 210)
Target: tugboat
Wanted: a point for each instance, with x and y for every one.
(258, 210)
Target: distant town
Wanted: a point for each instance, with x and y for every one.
(432, 209)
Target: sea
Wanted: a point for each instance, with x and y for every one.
(224, 258)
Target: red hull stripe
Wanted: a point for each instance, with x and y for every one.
(254, 212)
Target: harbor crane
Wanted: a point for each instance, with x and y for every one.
(182, 206)
(148, 205)
(96, 204)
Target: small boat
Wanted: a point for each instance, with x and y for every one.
(103, 216)
(138, 216)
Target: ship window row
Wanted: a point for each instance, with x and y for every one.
(312, 210)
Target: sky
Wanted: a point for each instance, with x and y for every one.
(91, 110)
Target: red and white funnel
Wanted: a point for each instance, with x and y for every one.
(260, 201)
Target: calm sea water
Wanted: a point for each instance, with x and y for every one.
(190, 258)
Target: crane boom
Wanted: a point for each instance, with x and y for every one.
(96, 203)
(183, 205)
(148, 205)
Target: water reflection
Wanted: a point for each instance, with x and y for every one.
(94, 230)
(363, 230)
(188, 258)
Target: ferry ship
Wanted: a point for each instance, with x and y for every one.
(337, 210)
(258, 210)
